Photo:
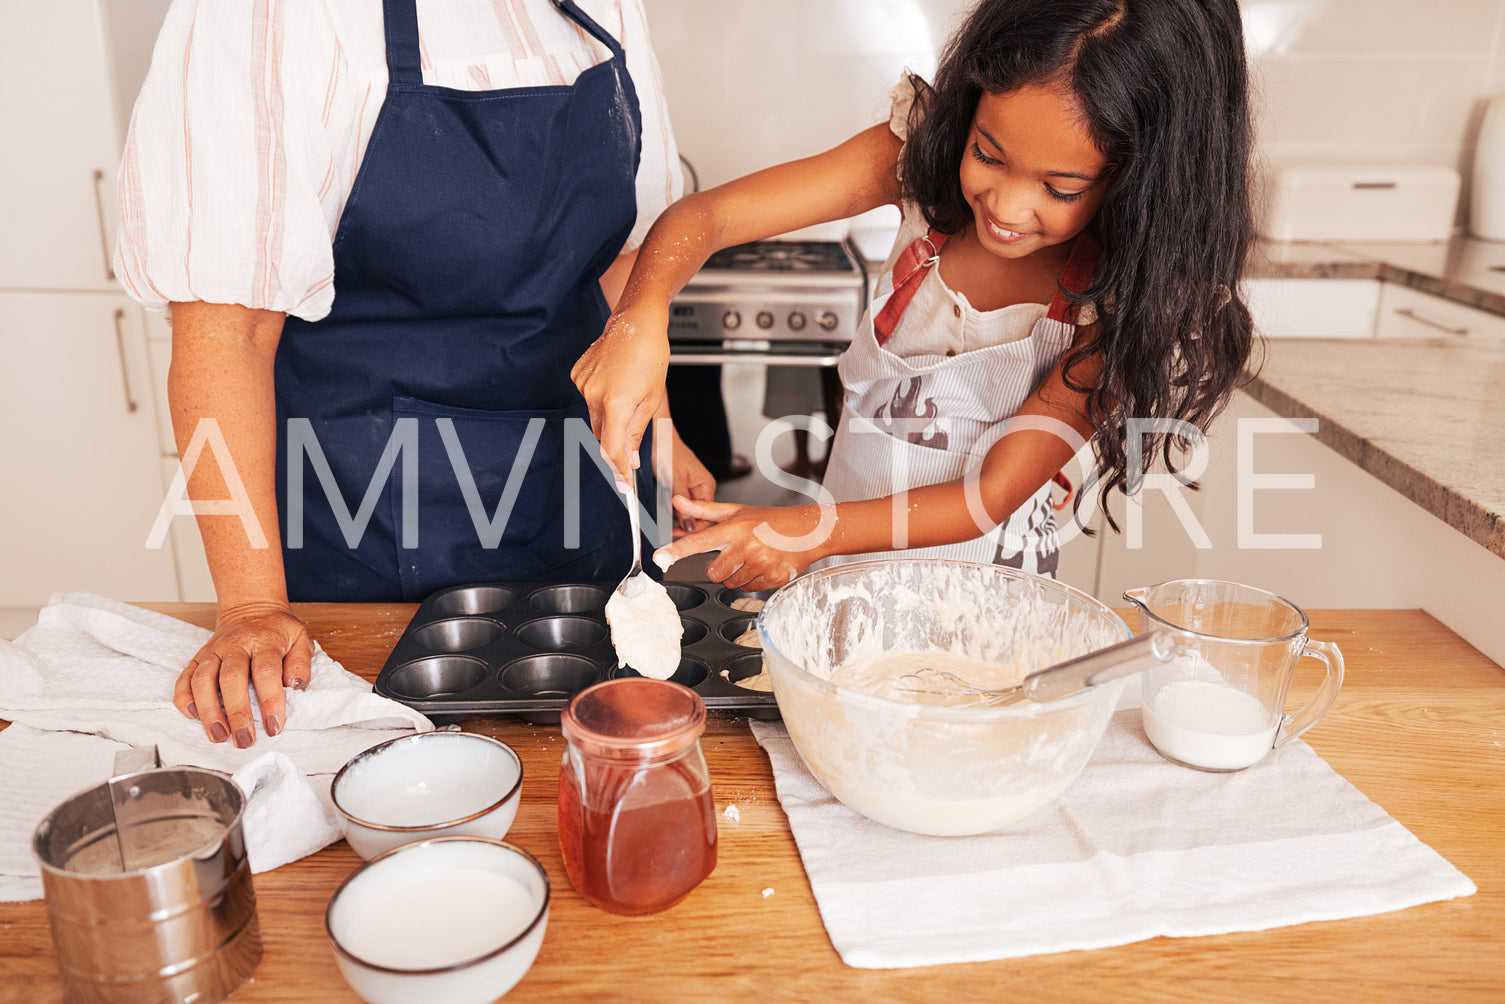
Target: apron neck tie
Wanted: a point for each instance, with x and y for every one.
(909, 271)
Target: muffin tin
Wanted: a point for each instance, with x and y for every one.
(527, 648)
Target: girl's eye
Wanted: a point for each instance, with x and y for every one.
(1064, 196)
(983, 158)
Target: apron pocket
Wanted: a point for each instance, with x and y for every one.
(494, 499)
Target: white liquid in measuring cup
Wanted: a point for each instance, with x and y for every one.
(438, 919)
(1209, 725)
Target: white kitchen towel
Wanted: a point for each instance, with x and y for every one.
(1137, 848)
(95, 675)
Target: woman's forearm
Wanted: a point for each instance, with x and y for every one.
(221, 370)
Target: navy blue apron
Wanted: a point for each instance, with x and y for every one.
(466, 277)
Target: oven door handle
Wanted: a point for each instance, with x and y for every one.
(756, 358)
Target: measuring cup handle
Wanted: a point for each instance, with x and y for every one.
(1311, 713)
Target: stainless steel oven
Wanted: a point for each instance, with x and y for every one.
(788, 303)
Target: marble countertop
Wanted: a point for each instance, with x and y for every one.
(1423, 416)
(1464, 270)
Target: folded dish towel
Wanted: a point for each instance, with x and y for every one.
(95, 676)
(1138, 847)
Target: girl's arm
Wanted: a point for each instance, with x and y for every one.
(765, 547)
(622, 374)
(222, 370)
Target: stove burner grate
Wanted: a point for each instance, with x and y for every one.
(784, 256)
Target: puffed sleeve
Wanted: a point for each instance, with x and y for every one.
(659, 180)
(901, 100)
(224, 183)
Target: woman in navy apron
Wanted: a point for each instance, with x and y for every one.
(428, 432)
(467, 265)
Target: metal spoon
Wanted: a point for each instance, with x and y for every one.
(1060, 679)
(636, 579)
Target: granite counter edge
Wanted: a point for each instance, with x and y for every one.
(1479, 524)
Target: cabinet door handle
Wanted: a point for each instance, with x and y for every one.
(1423, 319)
(125, 374)
(99, 214)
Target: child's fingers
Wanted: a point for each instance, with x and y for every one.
(690, 543)
(712, 512)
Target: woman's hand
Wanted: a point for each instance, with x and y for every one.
(622, 378)
(762, 547)
(690, 480)
(261, 643)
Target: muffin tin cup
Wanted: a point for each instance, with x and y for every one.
(525, 649)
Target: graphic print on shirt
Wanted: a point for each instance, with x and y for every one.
(903, 411)
(1037, 535)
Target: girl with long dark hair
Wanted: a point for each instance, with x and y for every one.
(1075, 218)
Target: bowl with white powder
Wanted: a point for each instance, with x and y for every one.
(839, 643)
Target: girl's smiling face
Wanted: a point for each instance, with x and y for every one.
(1031, 172)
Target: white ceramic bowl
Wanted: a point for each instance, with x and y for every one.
(452, 919)
(943, 771)
(428, 785)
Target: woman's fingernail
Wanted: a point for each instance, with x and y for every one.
(218, 733)
(193, 710)
(273, 724)
(636, 463)
(242, 737)
(300, 684)
(686, 524)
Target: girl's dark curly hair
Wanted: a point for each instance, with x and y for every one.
(1164, 89)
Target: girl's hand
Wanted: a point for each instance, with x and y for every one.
(622, 378)
(752, 555)
(262, 643)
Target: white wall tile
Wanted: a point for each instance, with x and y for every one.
(1371, 27)
(1359, 99)
(755, 82)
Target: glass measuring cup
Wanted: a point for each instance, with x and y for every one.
(1223, 708)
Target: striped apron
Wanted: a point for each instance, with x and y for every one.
(911, 423)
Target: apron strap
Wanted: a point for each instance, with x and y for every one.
(400, 23)
(1074, 278)
(909, 271)
(580, 17)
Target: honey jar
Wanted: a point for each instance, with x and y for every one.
(637, 819)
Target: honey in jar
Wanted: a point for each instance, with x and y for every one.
(637, 820)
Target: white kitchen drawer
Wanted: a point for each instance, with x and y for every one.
(1313, 308)
(1410, 313)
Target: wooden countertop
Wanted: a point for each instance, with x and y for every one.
(1419, 728)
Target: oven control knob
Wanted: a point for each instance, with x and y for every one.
(796, 321)
(827, 320)
(765, 319)
(731, 320)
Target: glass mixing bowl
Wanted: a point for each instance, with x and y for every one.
(941, 770)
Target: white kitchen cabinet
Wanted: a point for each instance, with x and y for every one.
(57, 177)
(1409, 313)
(1312, 308)
(81, 453)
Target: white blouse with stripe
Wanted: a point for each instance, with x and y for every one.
(248, 133)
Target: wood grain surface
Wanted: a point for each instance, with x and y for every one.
(1419, 727)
